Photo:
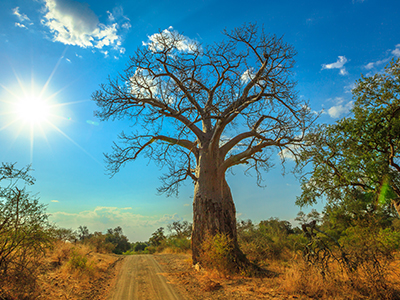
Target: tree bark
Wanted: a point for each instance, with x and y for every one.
(213, 209)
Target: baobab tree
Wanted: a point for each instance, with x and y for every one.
(200, 110)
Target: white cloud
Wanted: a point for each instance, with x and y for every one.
(21, 17)
(135, 226)
(74, 23)
(396, 52)
(142, 84)
(247, 76)
(288, 153)
(372, 65)
(340, 108)
(20, 25)
(339, 64)
(170, 38)
(55, 201)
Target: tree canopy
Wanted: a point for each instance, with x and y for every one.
(359, 152)
(236, 95)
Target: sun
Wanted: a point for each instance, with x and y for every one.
(33, 110)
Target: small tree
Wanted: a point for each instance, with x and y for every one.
(24, 233)
(359, 153)
(64, 234)
(83, 233)
(157, 237)
(203, 110)
(180, 229)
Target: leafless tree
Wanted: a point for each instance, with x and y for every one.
(200, 110)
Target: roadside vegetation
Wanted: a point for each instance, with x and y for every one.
(332, 255)
(351, 250)
(41, 261)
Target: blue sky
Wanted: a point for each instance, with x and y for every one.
(61, 50)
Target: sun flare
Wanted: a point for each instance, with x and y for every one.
(33, 110)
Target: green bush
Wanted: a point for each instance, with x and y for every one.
(270, 239)
(178, 239)
(78, 261)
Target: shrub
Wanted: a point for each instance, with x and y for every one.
(78, 261)
(100, 243)
(270, 239)
(177, 244)
(216, 253)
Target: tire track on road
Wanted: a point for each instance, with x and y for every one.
(140, 279)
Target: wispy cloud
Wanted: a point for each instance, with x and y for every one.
(349, 88)
(55, 201)
(339, 64)
(372, 65)
(74, 23)
(21, 17)
(391, 52)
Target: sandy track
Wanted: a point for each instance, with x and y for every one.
(140, 278)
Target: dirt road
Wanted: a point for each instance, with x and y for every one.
(140, 278)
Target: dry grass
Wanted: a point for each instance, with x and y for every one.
(293, 280)
(70, 272)
(76, 272)
(301, 278)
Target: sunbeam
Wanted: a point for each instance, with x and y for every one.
(75, 143)
(31, 110)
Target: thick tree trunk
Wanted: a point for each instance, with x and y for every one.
(213, 209)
